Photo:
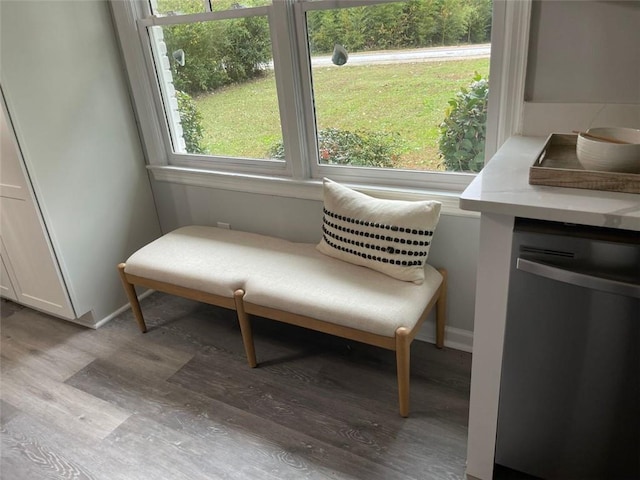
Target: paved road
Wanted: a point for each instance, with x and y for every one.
(415, 55)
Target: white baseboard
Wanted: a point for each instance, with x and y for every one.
(122, 309)
(455, 338)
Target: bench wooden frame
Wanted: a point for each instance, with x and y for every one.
(401, 343)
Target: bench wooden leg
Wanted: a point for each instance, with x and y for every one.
(441, 310)
(245, 329)
(133, 298)
(403, 360)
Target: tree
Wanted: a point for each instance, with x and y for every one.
(383, 26)
(419, 23)
(450, 21)
(414, 23)
(324, 30)
(478, 21)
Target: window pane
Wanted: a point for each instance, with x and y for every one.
(224, 86)
(385, 76)
(218, 5)
(177, 7)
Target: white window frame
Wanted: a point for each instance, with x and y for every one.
(299, 177)
(160, 92)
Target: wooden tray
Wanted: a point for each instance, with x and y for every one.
(558, 166)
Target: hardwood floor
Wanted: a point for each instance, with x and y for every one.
(180, 401)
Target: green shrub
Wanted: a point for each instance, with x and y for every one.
(191, 120)
(203, 70)
(218, 53)
(463, 132)
(246, 48)
(359, 148)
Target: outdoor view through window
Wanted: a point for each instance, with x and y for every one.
(399, 84)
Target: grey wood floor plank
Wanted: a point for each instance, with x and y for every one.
(24, 340)
(341, 377)
(8, 308)
(200, 326)
(155, 360)
(24, 457)
(343, 371)
(364, 426)
(281, 354)
(181, 402)
(278, 344)
(69, 408)
(181, 454)
(7, 412)
(303, 378)
(45, 332)
(237, 437)
(101, 459)
(57, 362)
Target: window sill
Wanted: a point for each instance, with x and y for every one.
(302, 189)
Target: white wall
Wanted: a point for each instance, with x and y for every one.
(66, 93)
(584, 52)
(584, 66)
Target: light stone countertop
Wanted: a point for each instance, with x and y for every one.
(502, 187)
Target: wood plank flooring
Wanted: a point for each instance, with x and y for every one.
(180, 401)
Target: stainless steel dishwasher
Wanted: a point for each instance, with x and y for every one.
(570, 386)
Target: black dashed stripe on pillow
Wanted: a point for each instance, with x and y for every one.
(404, 263)
(377, 236)
(376, 242)
(394, 250)
(393, 228)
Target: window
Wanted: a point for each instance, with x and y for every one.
(289, 91)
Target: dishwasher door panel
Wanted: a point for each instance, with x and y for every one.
(570, 386)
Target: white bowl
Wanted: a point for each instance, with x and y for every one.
(594, 154)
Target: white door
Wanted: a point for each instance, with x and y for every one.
(29, 262)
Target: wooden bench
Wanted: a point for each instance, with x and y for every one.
(292, 283)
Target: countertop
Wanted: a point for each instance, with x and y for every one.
(502, 187)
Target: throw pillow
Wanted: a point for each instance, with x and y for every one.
(390, 236)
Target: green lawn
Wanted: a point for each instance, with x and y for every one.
(408, 98)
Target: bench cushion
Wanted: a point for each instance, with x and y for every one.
(342, 293)
(208, 259)
(288, 276)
